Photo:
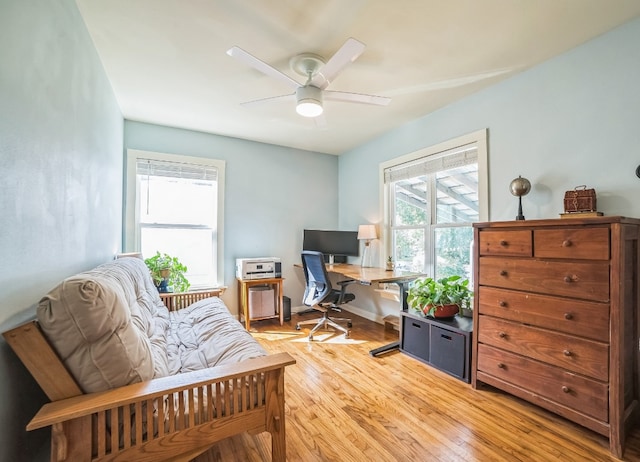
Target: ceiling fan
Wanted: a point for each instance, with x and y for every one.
(319, 74)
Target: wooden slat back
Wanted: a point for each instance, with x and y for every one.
(33, 349)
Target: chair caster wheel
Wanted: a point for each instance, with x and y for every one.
(349, 324)
(311, 338)
(297, 327)
(346, 335)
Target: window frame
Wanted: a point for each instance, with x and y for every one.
(477, 138)
(131, 232)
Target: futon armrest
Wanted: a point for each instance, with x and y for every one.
(83, 405)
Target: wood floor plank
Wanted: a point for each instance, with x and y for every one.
(344, 405)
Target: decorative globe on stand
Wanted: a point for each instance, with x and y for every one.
(520, 187)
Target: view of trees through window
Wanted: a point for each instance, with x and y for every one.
(431, 221)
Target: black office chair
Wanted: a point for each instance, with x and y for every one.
(319, 294)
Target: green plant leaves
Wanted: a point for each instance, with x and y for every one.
(176, 278)
(427, 293)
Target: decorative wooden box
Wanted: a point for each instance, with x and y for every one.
(580, 199)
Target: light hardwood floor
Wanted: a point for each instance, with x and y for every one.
(344, 405)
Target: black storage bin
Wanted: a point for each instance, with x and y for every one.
(448, 351)
(286, 308)
(415, 338)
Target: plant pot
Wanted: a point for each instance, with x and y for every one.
(163, 287)
(443, 311)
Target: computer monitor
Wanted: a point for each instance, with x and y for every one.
(335, 245)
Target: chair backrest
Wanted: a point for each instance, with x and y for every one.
(316, 277)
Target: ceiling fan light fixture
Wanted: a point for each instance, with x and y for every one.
(309, 101)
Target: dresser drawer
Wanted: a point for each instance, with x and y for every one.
(578, 317)
(566, 351)
(584, 395)
(576, 243)
(579, 279)
(507, 243)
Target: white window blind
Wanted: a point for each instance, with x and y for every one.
(446, 160)
(152, 167)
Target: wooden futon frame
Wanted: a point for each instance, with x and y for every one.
(128, 423)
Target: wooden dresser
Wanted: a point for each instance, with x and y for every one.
(556, 317)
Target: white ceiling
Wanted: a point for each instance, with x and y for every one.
(167, 61)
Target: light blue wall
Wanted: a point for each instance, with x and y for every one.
(271, 194)
(572, 120)
(61, 137)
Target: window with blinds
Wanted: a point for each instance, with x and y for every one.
(432, 199)
(177, 211)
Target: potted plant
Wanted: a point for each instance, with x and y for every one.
(443, 298)
(167, 273)
(390, 264)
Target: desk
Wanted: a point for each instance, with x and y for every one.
(368, 276)
(243, 298)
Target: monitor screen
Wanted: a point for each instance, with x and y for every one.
(344, 243)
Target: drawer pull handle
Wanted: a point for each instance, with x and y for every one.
(567, 243)
(568, 279)
(502, 335)
(502, 303)
(568, 316)
(503, 272)
(501, 366)
(566, 389)
(504, 243)
(566, 353)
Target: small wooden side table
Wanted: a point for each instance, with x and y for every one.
(243, 299)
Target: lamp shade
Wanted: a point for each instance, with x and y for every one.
(367, 232)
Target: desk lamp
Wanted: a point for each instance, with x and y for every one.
(367, 233)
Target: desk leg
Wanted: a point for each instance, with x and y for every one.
(385, 349)
(404, 287)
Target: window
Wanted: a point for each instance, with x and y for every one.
(432, 197)
(174, 206)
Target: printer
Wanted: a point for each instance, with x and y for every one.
(258, 268)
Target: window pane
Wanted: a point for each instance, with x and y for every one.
(177, 200)
(457, 195)
(411, 202)
(453, 251)
(193, 247)
(409, 249)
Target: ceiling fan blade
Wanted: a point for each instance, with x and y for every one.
(347, 54)
(450, 83)
(249, 59)
(356, 98)
(257, 102)
(320, 121)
